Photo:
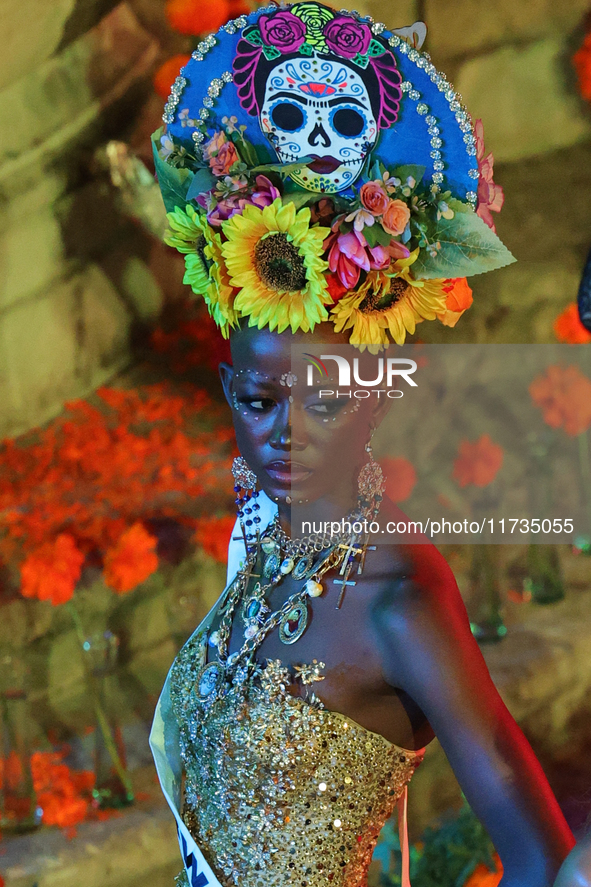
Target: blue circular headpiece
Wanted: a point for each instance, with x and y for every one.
(333, 88)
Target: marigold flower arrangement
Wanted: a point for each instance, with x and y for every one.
(87, 488)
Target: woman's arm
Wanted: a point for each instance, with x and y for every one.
(428, 651)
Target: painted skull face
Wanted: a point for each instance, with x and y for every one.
(319, 108)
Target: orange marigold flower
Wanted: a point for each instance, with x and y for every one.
(193, 17)
(131, 560)
(51, 572)
(483, 877)
(459, 298)
(401, 478)
(564, 396)
(212, 534)
(582, 63)
(478, 462)
(569, 329)
(167, 74)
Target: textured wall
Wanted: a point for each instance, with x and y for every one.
(71, 74)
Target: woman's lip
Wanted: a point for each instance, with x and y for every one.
(287, 472)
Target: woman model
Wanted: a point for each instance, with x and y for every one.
(328, 189)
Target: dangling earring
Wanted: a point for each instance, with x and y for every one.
(245, 487)
(371, 482)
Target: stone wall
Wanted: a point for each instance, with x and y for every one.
(72, 73)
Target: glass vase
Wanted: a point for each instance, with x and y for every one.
(113, 786)
(18, 805)
(488, 625)
(544, 580)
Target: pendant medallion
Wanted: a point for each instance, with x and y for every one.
(209, 681)
(294, 623)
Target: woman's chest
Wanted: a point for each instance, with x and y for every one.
(343, 640)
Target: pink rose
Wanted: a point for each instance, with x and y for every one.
(374, 198)
(283, 29)
(347, 37)
(396, 217)
(224, 160)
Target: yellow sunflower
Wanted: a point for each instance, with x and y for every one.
(219, 295)
(389, 302)
(189, 233)
(273, 257)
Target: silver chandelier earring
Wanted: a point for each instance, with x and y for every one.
(247, 508)
(371, 482)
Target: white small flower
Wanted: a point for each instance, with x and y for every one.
(289, 379)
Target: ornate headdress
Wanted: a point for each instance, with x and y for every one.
(317, 167)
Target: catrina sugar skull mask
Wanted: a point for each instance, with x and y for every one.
(322, 86)
(318, 108)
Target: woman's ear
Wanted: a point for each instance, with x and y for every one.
(226, 372)
(379, 410)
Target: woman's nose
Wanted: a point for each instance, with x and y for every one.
(281, 435)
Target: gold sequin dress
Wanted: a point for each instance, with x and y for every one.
(279, 790)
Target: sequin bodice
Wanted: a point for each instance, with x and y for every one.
(279, 790)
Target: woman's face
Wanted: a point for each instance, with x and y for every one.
(299, 445)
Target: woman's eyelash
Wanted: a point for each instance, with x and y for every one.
(257, 404)
(326, 407)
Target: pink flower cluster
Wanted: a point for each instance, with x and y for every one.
(490, 196)
(221, 210)
(349, 254)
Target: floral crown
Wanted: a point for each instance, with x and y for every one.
(361, 195)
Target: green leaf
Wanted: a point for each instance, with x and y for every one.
(174, 182)
(468, 247)
(376, 49)
(300, 198)
(376, 235)
(271, 53)
(403, 173)
(203, 181)
(246, 150)
(253, 35)
(283, 169)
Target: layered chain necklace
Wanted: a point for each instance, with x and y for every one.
(306, 559)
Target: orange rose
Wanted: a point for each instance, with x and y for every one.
(374, 198)
(226, 157)
(167, 74)
(459, 298)
(396, 217)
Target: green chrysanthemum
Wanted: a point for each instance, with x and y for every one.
(273, 257)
